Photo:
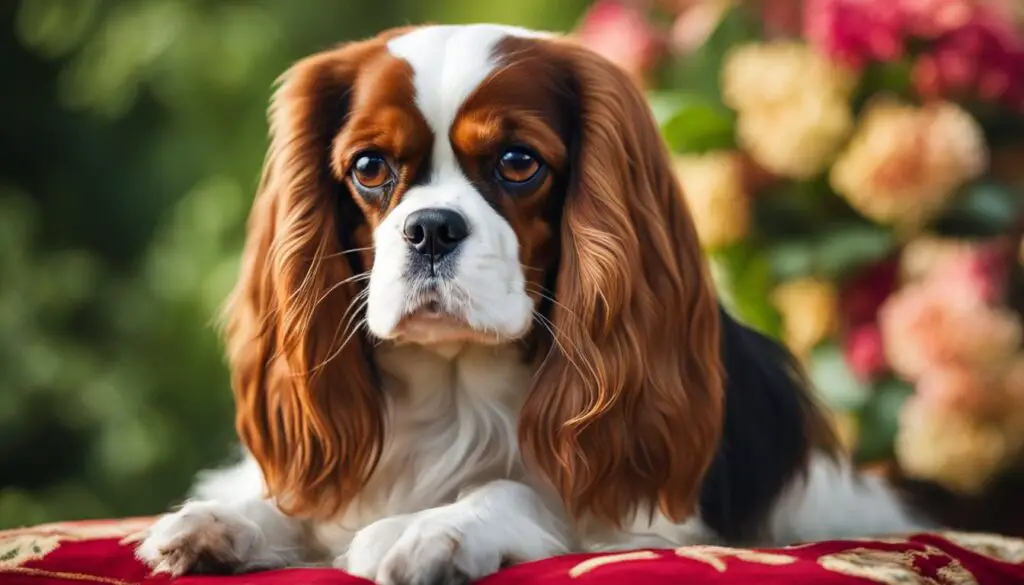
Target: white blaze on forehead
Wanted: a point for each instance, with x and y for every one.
(449, 63)
(488, 289)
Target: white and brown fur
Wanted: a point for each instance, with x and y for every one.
(566, 381)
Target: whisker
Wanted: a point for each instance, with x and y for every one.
(540, 292)
(354, 307)
(348, 338)
(571, 358)
(355, 278)
(349, 251)
(359, 302)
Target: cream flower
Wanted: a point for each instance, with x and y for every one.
(942, 445)
(904, 163)
(809, 309)
(1013, 392)
(792, 104)
(977, 393)
(757, 76)
(714, 191)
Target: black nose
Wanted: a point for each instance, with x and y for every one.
(435, 231)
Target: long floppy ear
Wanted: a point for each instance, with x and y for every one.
(307, 404)
(626, 411)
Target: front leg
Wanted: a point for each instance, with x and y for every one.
(221, 537)
(499, 523)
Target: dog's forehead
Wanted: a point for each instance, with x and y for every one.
(449, 62)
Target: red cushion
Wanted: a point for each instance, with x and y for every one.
(91, 553)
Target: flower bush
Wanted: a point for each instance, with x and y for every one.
(854, 168)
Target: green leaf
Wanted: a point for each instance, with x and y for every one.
(789, 208)
(893, 77)
(832, 254)
(790, 260)
(844, 249)
(700, 127)
(879, 420)
(835, 381)
(665, 104)
(986, 208)
(744, 277)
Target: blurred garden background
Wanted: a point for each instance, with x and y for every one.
(856, 168)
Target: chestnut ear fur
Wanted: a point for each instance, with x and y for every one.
(308, 406)
(626, 411)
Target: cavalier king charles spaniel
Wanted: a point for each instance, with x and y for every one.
(474, 327)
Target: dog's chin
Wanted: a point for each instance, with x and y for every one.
(431, 327)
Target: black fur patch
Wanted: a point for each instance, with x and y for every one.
(765, 442)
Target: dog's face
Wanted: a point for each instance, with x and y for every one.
(454, 147)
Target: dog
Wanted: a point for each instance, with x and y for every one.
(474, 327)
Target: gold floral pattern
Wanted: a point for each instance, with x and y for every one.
(18, 550)
(889, 567)
(998, 548)
(897, 567)
(590, 564)
(716, 555)
(84, 530)
(917, 561)
(22, 545)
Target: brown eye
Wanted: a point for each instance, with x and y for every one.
(518, 166)
(371, 171)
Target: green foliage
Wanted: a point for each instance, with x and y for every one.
(698, 73)
(986, 208)
(834, 381)
(832, 254)
(133, 141)
(744, 278)
(878, 420)
(697, 126)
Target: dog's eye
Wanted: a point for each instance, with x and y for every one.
(371, 170)
(518, 165)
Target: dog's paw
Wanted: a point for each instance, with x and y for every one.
(426, 549)
(201, 537)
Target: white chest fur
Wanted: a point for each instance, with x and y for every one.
(451, 424)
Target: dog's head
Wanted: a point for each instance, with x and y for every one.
(475, 184)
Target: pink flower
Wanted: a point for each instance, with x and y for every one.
(977, 275)
(620, 32)
(695, 23)
(951, 318)
(972, 50)
(932, 325)
(982, 59)
(854, 31)
(975, 393)
(865, 352)
(929, 19)
(781, 17)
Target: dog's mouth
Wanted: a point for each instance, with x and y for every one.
(431, 309)
(431, 326)
(432, 321)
